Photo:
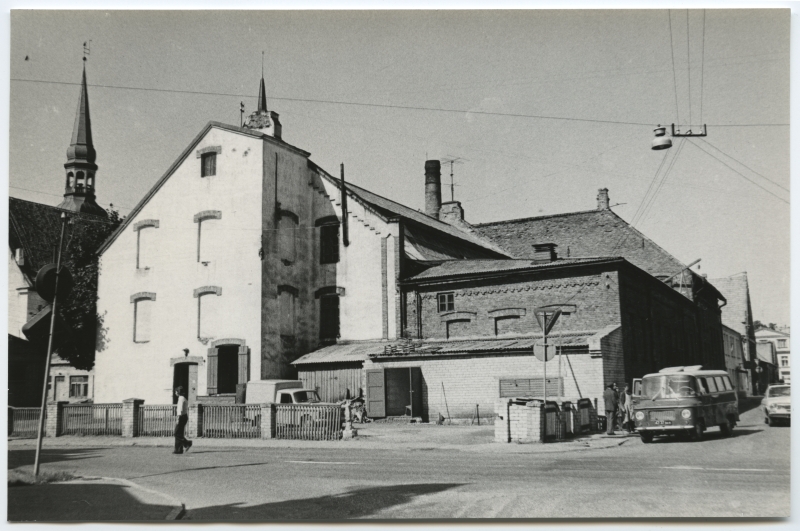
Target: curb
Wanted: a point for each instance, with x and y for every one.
(178, 508)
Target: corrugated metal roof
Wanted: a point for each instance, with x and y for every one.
(467, 267)
(363, 350)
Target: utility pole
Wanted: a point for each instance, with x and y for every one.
(49, 349)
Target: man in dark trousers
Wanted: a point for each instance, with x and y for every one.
(182, 410)
(610, 399)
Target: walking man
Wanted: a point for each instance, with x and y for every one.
(610, 400)
(181, 443)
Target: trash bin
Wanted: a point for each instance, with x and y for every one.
(568, 419)
(552, 421)
(585, 415)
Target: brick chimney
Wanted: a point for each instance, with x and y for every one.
(544, 252)
(451, 212)
(602, 199)
(433, 188)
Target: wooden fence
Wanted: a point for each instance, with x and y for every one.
(92, 419)
(23, 422)
(232, 422)
(157, 421)
(308, 422)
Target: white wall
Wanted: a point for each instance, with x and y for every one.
(125, 369)
(17, 298)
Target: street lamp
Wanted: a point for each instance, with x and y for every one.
(661, 141)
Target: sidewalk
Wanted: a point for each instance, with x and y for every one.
(90, 500)
(382, 436)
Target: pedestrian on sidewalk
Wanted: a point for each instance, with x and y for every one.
(182, 444)
(610, 401)
(627, 422)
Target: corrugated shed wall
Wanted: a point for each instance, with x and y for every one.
(333, 382)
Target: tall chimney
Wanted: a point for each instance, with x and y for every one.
(433, 188)
(602, 199)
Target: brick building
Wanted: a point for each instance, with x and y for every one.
(781, 341)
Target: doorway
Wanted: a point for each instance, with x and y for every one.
(227, 369)
(395, 392)
(185, 375)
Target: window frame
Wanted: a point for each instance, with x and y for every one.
(199, 293)
(199, 218)
(449, 304)
(208, 164)
(142, 296)
(83, 384)
(139, 226)
(329, 235)
(324, 328)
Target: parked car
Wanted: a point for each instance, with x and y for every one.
(777, 404)
(684, 400)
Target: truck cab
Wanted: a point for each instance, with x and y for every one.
(280, 392)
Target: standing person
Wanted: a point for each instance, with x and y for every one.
(621, 406)
(181, 443)
(610, 400)
(616, 406)
(628, 421)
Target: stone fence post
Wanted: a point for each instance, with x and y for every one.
(194, 428)
(268, 413)
(130, 417)
(502, 422)
(53, 420)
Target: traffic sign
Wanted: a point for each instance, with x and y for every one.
(540, 348)
(46, 282)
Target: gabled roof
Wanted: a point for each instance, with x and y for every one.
(585, 233)
(392, 209)
(36, 228)
(185, 153)
(462, 268)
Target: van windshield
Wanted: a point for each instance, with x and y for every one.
(669, 386)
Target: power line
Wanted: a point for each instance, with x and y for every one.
(739, 173)
(674, 78)
(652, 182)
(688, 66)
(649, 207)
(702, 65)
(746, 166)
(381, 105)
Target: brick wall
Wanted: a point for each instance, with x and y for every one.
(594, 292)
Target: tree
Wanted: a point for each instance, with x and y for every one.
(84, 235)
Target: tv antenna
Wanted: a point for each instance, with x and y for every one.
(450, 159)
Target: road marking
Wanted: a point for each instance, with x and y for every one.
(325, 462)
(716, 469)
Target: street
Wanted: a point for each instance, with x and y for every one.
(746, 475)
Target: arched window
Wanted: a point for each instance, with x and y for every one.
(70, 180)
(143, 303)
(329, 312)
(89, 181)
(287, 236)
(207, 233)
(207, 310)
(80, 180)
(145, 242)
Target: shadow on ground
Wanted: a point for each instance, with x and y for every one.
(76, 502)
(26, 456)
(357, 503)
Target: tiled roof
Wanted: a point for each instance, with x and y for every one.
(363, 350)
(471, 267)
(737, 313)
(585, 233)
(35, 228)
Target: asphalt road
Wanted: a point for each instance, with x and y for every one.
(745, 475)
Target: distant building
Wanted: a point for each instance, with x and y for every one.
(766, 365)
(781, 340)
(34, 232)
(737, 315)
(734, 360)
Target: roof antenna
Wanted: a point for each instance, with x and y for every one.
(451, 159)
(86, 50)
(262, 64)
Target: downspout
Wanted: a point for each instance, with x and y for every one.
(345, 234)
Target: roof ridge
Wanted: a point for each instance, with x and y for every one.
(519, 220)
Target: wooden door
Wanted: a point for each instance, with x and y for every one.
(376, 393)
(415, 376)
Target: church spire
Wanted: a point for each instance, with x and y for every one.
(80, 166)
(261, 120)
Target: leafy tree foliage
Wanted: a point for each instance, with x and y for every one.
(83, 237)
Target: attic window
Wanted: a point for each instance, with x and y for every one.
(208, 164)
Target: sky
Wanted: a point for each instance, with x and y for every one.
(541, 107)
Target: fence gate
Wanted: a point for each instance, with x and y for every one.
(308, 422)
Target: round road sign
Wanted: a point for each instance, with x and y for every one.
(539, 348)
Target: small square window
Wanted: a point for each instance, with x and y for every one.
(208, 164)
(781, 343)
(446, 302)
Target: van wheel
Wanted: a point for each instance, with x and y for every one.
(647, 437)
(770, 422)
(726, 429)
